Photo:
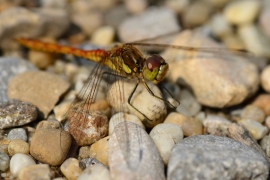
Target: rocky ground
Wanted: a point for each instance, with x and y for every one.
(220, 129)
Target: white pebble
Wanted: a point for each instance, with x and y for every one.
(96, 172)
(256, 129)
(165, 137)
(19, 161)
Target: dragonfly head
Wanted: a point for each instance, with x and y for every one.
(155, 68)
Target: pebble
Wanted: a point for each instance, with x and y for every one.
(189, 125)
(263, 101)
(71, 169)
(265, 144)
(19, 21)
(265, 80)
(256, 129)
(18, 162)
(50, 146)
(43, 95)
(219, 158)
(197, 67)
(17, 133)
(18, 146)
(4, 162)
(16, 113)
(253, 112)
(103, 36)
(197, 13)
(48, 125)
(99, 149)
(220, 26)
(4, 145)
(242, 12)
(148, 24)
(216, 125)
(189, 106)
(9, 67)
(165, 137)
(88, 28)
(155, 111)
(96, 172)
(122, 117)
(37, 171)
(136, 6)
(254, 40)
(132, 154)
(86, 126)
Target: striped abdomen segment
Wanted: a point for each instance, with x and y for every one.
(93, 55)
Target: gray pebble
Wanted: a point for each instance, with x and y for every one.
(16, 113)
(18, 133)
(4, 161)
(214, 157)
(8, 68)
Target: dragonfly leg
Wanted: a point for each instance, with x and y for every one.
(129, 99)
(151, 92)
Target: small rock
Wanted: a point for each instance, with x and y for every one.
(263, 101)
(256, 129)
(189, 106)
(165, 137)
(95, 172)
(214, 157)
(99, 149)
(50, 146)
(132, 154)
(136, 6)
(18, 162)
(220, 26)
(84, 163)
(253, 112)
(189, 125)
(16, 113)
(103, 36)
(265, 144)
(18, 146)
(71, 169)
(254, 40)
(43, 95)
(205, 66)
(4, 162)
(149, 113)
(121, 117)
(48, 125)
(17, 133)
(217, 125)
(86, 126)
(37, 171)
(148, 24)
(242, 12)
(265, 80)
(8, 68)
(88, 28)
(197, 13)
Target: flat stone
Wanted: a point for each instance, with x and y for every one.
(16, 113)
(10, 67)
(50, 146)
(133, 155)
(38, 171)
(42, 89)
(214, 157)
(208, 72)
(148, 24)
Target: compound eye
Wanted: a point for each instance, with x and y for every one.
(154, 61)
